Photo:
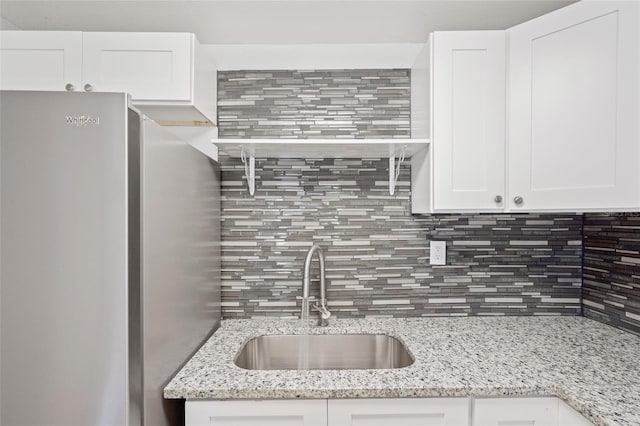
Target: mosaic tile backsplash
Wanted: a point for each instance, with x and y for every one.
(314, 104)
(377, 252)
(611, 269)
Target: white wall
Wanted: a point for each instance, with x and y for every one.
(312, 56)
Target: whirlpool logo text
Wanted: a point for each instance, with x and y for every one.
(83, 120)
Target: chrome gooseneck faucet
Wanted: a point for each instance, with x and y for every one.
(306, 283)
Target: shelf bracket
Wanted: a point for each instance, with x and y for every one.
(249, 170)
(394, 170)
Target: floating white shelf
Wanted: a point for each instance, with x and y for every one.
(320, 148)
(250, 149)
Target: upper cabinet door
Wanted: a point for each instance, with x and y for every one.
(468, 129)
(40, 60)
(574, 88)
(149, 66)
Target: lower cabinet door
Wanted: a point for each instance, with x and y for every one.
(515, 412)
(399, 412)
(256, 413)
(567, 416)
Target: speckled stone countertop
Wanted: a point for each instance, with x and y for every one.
(591, 366)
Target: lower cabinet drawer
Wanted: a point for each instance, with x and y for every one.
(399, 412)
(257, 413)
(515, 412)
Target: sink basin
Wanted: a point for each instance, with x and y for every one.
(323, 352)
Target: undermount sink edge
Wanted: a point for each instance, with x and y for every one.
(323, 352)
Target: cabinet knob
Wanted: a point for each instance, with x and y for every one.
(518, 199)
(69, 87)
(88, 88)
(498, 198)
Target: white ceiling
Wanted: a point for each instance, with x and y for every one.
(277, 22)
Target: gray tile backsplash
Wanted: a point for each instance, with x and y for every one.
(314, 104)
(377, 252)
(611, 269)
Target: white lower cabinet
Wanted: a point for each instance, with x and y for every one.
(309, 412)
(538, 411)
(513, 411)
(399, 412)
(567, 416)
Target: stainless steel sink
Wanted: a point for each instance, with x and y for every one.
(323, 352)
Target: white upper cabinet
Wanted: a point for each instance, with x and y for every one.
(468, 127)
(40, 60)
(569, 114)
(574, 89)
(163, 72)
(149, 66)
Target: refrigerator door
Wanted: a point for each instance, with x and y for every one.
(64, 259)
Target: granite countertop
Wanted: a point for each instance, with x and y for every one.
(591, 366)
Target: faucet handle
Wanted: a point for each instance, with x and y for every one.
(324, 312)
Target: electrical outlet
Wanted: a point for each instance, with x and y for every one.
(437, 253)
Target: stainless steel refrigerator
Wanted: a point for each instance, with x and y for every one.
(109, 266)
